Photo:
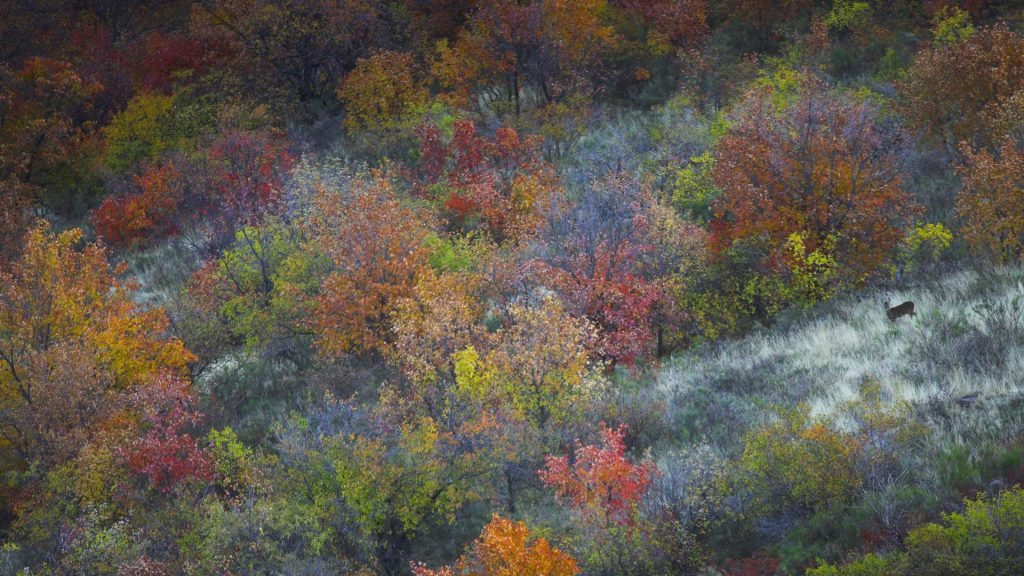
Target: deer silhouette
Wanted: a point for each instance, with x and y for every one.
(905, 309)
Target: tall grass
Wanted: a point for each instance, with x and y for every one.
(967, 339)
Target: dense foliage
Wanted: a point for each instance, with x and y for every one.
(496, 288)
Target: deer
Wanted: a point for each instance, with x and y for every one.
(905, 309)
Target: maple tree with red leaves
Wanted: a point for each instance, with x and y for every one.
(600, 480)
(502, 181)
(166, 454)
(146, 216)
(621, 301)
(167, 59)
(97, 58)
(247, 170)
(605, 266)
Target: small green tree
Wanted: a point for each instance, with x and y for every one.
(986, 539)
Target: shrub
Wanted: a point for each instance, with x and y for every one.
(986, 539)
(383, 93)
(507, 547)
(802, 462)
(146, 216)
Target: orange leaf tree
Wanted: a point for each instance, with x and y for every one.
(992, 200)
(819, 166)
(506, 548)
(443, 315)
(376, 244)
(543, 46)
(45, 108)
(966, 89)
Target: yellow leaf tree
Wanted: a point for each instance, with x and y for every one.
(71, 342)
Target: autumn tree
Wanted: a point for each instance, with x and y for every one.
(982, 538)
(143, 131)
(601, 481)
(682, 24)
(170, 58)
(377, 246)
(247, 172)
(533, 49)
(383, 93)
(298, 49)
(147, 215)
(97, 58)
(967, 87)
(291, 486)
(537, 365)
(507, 547)
(513, 394)
(603, 260)
(992, 200)
(72, 398)
(259, 293)
(818, 165)
(506, 393)
(154, 127)
(967, 91)
(501, 183)
(72, 338)
(46, 111)
(604, 488)
(442, 316)
(166, 454)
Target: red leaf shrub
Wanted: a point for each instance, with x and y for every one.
(166, 454)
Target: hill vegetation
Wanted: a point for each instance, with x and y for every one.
(495, 287)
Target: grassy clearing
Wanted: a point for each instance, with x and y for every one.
(161, 271)
(967, 339)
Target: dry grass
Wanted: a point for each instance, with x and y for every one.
(967, 338)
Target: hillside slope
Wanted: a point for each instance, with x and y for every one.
(966, 339)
